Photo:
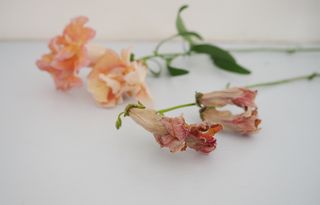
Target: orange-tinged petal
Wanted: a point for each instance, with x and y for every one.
(68, 54)
(122, 78)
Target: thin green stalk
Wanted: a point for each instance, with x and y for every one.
(175, 107)
(275, 49)
(288, 80)
(163, 55)
(278, 82)
(164, 41)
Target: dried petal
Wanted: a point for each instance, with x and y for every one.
(201, 137)
(246, 123)
(114, 77)
(241, 97)
(174, 133)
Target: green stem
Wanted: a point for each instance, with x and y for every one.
(163, 55)
(275, 49)
(288, 80)
(164, 41)
(176, 107)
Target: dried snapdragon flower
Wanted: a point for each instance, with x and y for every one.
(245, 123)
(173, 132)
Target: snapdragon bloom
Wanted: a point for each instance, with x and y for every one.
(114, 77)
(245, 123)
(174, 133)
(68, 54)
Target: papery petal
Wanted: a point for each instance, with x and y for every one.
(149, 119)
(241, 97)
(201, 137)
(174, 133)
(245, 123)
(176, 127)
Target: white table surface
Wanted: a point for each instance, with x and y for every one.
(60, 148)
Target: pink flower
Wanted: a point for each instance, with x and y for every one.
(68, 54)
(245, 123)
(174, 133)
(241, 97)
(114, 77)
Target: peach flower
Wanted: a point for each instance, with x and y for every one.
(174, 133)
(114, 77)
(68, 54)
(245, 123)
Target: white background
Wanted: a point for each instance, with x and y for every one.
(60, 148)
(236, 20)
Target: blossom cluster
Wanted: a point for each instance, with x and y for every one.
(112, 76)
(175, 134)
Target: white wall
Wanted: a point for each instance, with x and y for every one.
(237, 20)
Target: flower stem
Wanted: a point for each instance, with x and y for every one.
(175, 107)
(164, 41)
(163, 55)
(275, 49)
(288, 80)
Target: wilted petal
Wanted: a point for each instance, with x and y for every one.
(149, 119)
(246, 123)
(174, 133)
(241, 97)
(201, 137)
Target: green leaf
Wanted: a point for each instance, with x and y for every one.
(220, 57)
(214, 51)
(230, 66)
(174, 71)
(177, 71)
(181, 28)
(191, 34)
(180, 25)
